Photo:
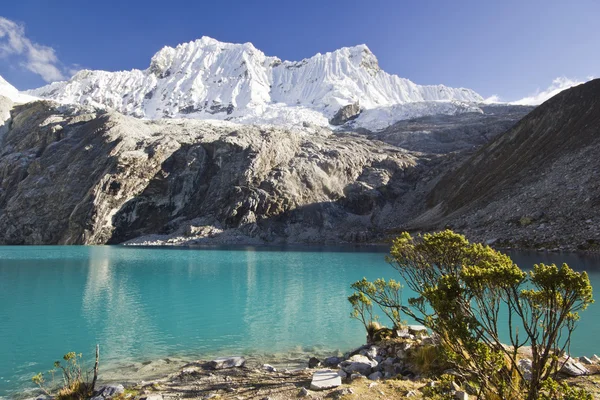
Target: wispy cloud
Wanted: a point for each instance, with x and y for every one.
(557, 86)
(492, 99)
(37, 58)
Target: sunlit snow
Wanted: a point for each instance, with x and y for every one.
(208, 79)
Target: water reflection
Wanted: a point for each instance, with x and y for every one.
(113, 309)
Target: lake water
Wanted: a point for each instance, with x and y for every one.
(148, 303)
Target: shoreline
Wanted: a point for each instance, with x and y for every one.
(339, 247)
(132, 373)
(385, 369)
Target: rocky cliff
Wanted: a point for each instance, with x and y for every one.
(79, 174)
(72, 175)
(537, 185)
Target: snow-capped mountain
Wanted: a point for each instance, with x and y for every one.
(8, 91)
(208, 79)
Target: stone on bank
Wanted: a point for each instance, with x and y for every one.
(325, 379)
(227, 362)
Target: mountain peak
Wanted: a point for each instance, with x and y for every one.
(209, 79)
(11, 92)
(7, 90)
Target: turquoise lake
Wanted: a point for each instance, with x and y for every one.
(143, 304)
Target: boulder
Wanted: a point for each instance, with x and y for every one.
(108, 391)
(574, 368)
(417, 329)
(359, 364)
(314, 362)
(332, 361)
(227, 362)
(371, 352)
(325, 379)
(375, 376)
(403, 334)
(342, 373)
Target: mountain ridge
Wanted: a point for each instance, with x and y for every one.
(536, 185)
(208, 79)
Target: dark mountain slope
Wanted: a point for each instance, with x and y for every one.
(536, 184)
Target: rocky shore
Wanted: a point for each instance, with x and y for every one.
(400, 367)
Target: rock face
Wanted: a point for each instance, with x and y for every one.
(84, 175)
(442, 133)
(345, 114)
(537, 184)
(6, 105)
(74, 175)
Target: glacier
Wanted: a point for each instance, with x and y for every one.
(209, 79)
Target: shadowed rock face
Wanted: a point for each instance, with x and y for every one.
(538, 183)
(345, 114)
(78, 175)
(441, 134)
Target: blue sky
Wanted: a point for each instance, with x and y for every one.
(507, 48)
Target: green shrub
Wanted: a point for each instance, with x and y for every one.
(461, 289)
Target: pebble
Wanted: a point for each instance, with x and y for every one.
(269, 368)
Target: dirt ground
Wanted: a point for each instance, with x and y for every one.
(195, 382)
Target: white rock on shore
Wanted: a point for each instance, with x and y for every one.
(325, 379)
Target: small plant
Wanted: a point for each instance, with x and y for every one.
(362, 310)
(75, 380)
(553, 390)
(525, 221)
(442, 390)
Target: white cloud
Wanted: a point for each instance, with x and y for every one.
(37, 58)
(492, 99)
(557, 86)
